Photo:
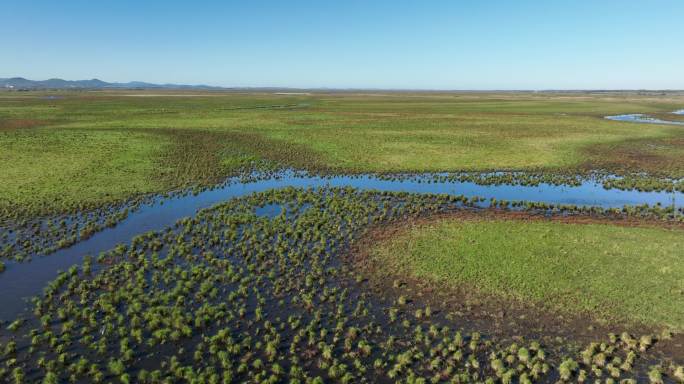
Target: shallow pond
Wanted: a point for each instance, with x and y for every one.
(22, 280)
(641, 118)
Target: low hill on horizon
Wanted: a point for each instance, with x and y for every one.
(19, 83)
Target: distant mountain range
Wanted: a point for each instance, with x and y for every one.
(22, 83)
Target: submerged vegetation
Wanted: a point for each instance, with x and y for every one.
(23, 238)
(231, 296)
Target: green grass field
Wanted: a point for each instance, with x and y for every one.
(623, 273)
(97, 147)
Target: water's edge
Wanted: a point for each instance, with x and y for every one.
(24, 280)
(642, 118)
(21, 281)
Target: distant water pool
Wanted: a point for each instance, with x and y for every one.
(641, 118)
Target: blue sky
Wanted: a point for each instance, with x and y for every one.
(467, 44)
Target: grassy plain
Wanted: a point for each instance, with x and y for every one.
(96, 147)
(614, 272)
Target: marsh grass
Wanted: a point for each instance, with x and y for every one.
(626, 273)
(230, 296)
(100, 147)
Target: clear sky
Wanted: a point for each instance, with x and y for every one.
(456, 44)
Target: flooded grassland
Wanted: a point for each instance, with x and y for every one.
(407, 264)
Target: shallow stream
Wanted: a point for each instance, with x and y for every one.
(21, 281)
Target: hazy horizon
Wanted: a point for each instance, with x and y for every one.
(366, 89)
(441, 46)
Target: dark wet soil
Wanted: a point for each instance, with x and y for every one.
(503, 319)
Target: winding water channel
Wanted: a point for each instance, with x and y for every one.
(23, 280)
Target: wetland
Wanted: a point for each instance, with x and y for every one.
(341, 237)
